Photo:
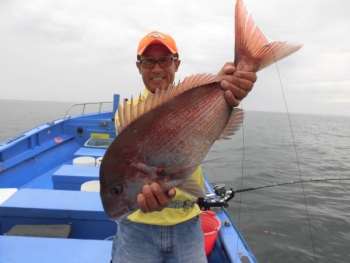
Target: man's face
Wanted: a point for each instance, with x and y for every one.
(158, 77)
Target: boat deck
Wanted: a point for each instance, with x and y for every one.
(55, 250)
(40, 185)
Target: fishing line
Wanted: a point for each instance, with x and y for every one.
(296, 154)
(153, 237)
(291, 182)
(243, 155)
(240, 197)
(121, 235)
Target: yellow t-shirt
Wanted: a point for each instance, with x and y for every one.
(168, 216)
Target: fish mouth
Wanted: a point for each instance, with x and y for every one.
(119, 214)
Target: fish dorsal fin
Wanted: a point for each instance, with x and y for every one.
(253, 52)
(233, 124)
(129, 112)
(192, 187)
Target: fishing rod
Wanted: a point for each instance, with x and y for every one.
(212, 201)
(291, 182)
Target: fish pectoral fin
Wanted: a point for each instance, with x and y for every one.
(233, 124)
(146, 169)
(192, 187)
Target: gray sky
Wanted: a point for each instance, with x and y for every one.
(85, 51)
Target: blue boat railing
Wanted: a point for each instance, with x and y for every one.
(84, 108)
(113, 108)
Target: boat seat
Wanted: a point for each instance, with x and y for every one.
(53, 250)
(87, 151)
(6, 193)
(71, 177)
(83, 211)
(59, 231)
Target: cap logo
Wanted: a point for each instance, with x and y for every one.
(156, 35)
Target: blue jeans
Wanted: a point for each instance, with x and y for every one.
(144, 243)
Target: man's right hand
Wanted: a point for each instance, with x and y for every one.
(153, 198)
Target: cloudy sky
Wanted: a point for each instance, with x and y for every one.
(85, 51)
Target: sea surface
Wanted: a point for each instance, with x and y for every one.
(308, 222)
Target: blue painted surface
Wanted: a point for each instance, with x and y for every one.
(88, 151)
(71, 177)
(43, 181)
(115, 103)
(234, 242)
(32, 143)
(218, 254)
(82, 210)
(35, 163)
(89, 124)
(53, 250)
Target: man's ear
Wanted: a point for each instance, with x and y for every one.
(177, 64)
(138, 65)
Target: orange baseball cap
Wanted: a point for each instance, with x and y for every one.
(156, 37)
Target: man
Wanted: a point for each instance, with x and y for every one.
(172, 232)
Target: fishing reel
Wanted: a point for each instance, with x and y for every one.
(219, 198)
(220, 190)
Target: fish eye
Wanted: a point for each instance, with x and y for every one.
(116, 190)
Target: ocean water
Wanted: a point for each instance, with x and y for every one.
(307, 222)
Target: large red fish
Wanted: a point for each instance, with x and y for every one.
(166, 137)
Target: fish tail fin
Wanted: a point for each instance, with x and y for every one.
(253, 52)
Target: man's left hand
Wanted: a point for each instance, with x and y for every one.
(237, 86)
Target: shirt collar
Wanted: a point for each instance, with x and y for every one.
(145, 94)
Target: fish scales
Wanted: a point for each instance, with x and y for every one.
(174, 136)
